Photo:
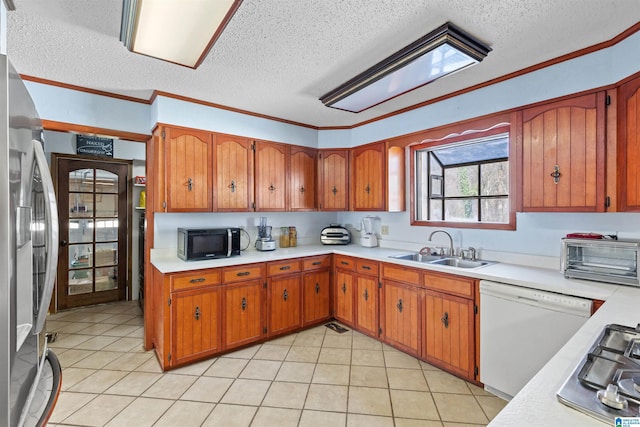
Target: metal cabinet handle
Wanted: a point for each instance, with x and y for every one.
(189, 184)
(317, 288)
(445, 319)
(399, 305)
(232, 186)
(556, 174)
(197, 313)
(244, 304)
(366, 295)
(344, 288)
(334, 190)
(285, 295)
(201, 279)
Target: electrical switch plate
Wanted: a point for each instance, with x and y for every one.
(385, 230)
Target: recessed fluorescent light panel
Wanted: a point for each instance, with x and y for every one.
(177, 31)
(441, 52)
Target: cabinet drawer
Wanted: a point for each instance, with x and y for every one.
(367, 267)
(283, 267)
(194, 280)
(450, 284)
(317, 262)
(243, 272)
(401, 274)
(344, 262)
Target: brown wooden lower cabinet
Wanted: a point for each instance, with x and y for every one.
(284, 295)
(448, 331)
(400, 316)
(317, 304)
(343, 297)
(195, 325)
(243, 313)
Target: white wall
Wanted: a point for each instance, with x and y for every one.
(64, 143)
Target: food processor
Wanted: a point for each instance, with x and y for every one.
(265, 242)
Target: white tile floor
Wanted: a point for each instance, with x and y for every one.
(313, 378)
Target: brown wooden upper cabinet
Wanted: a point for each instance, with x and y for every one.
(629, 146)
(302, 181)
(563, 155)
(233, 181)
(184, 167)
(369, 177)
(333, 192)
(270, 173)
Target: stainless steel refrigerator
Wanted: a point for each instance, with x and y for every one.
(30, 374)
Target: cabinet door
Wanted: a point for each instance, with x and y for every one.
(270, 176)
(284, 303)
(367, 305)
(243, 313)
(189, 170)
(369, 177)
(233, 173)
(563, 147)
(629, 146)
(302, 182)
(400, 316)
(194, 324)
(343, 297)
(449, 333)
(334, 181)
(316, 296)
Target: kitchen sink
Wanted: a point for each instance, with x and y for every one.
(441, 260)
(460, 263)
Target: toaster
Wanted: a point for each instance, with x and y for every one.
(335, 234)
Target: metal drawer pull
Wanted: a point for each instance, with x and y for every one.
(243, 273)
(201, 279)
(445, 319)
(556, 174)
(316, 263)
(189, 184)
(344, 288)
(244, 303)
(317, 288)
(399, 305)
(366, 267)
(197, 313)
(285, 267)
(366, 295)
(285, 295)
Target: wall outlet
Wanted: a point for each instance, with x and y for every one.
(385, 230)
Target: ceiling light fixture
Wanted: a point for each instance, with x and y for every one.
(177, 31)
(443, 51)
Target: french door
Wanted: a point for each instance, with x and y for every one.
(93, 214)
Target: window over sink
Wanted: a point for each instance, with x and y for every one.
(465, 179)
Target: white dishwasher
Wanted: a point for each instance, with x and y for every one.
(520, 331)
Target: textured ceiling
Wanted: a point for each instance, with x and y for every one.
(277, 57)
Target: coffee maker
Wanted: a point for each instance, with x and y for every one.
(264, 242)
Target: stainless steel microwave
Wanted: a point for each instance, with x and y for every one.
(603, 260)
(196, 244)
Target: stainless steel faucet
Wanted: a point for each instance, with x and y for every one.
(451, 250)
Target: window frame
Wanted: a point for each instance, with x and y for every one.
(467, 131)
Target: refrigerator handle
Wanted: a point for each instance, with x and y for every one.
(51, 224)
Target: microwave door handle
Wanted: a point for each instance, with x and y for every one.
(229, 242)
(51, 224)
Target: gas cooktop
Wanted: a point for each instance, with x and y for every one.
(606, 383)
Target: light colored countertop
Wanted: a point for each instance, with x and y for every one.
(536, 404)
